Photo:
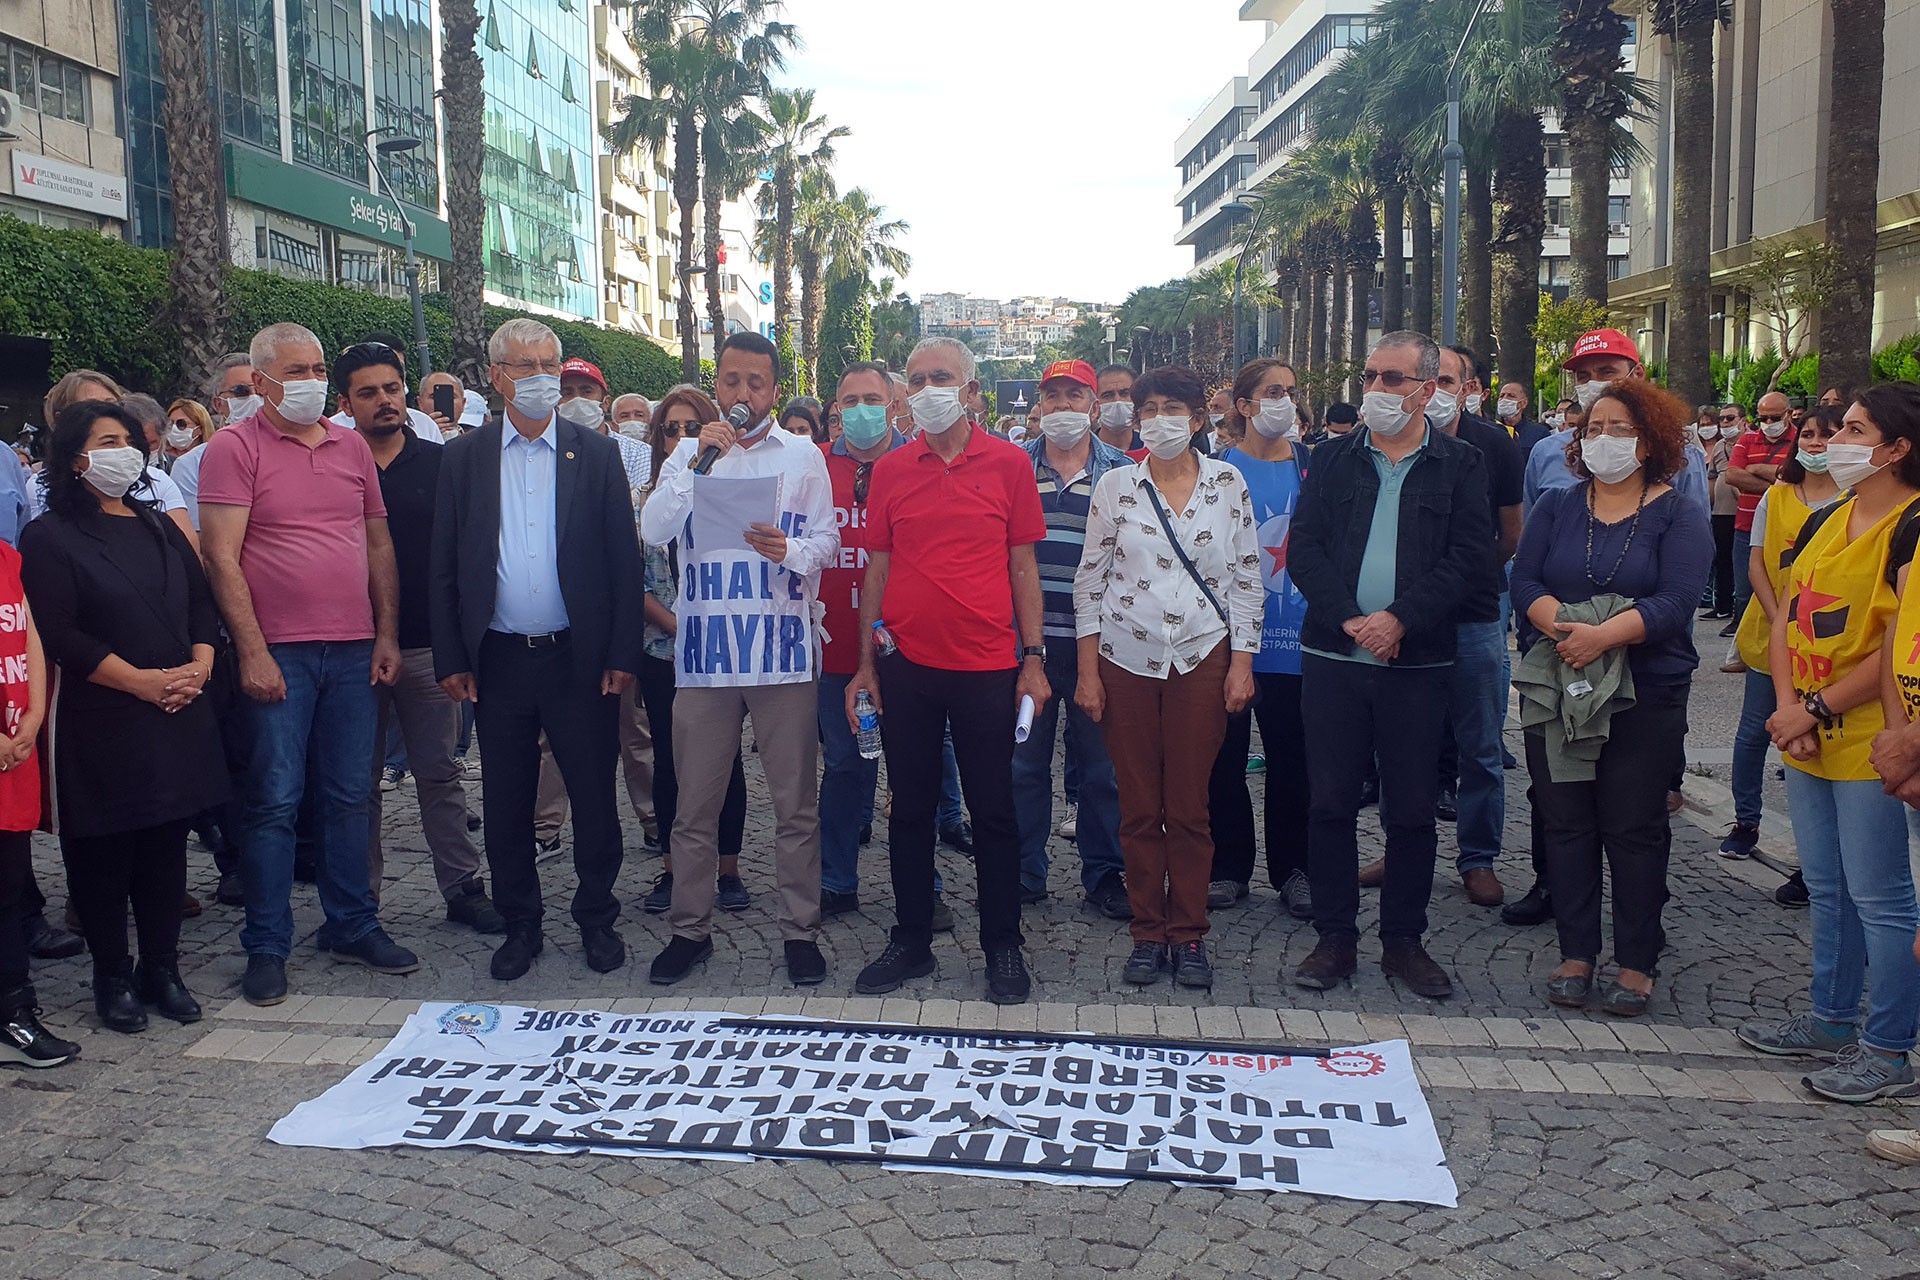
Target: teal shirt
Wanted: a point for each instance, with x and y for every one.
(1380, 563)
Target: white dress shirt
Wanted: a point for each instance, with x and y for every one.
(527, 599)
(1132, 591)
(743, 620)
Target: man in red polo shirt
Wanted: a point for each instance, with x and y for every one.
(1752, 467)
(953, 517)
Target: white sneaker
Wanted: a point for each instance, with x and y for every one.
(469, 769)
(1902, 1146)
(1070, 823)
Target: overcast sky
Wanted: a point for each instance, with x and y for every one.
(1030, 143)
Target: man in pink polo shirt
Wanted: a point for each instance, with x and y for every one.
(294, 534)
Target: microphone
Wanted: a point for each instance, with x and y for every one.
(737, 418)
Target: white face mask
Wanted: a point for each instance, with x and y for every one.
(583, 412)
(113, 471)
(245, 407)
(634, 430)
(1474, 402)
(179, 437)
(1509, 410)
(1065, 428)
(1216, 420)
(1384, 413)
(536, 396)
(301, 401)
(1115, 415)
(1556, 420)
(1589, 392)
(1277, 418)
(1850, 464)
(1443, 408)
(1611, 459)
(936, 409)
(1773, 430)
(1166, 435)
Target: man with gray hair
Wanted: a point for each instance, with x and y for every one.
(302, 566)
(1392, 543)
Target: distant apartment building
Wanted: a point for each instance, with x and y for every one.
(60, 77)
(639, 236)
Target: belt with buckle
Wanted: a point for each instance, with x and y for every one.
(545, 640)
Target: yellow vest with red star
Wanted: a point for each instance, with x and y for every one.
(1838, 606)
(1786, 516)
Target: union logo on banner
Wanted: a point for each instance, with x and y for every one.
(469, 1020)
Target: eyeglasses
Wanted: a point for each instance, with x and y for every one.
(1729, 418)
(239, 391)
(1388, 378)
(181, 423)
(527, 368)
(674, 430)
(862, 475)
(1772, 417)
(1618, 430)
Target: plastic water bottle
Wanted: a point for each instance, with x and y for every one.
(869, 718)
(883, 643)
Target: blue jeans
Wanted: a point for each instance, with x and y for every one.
(326, 724)
(950, 814)
(1099, 822)
(846, 790)
(1750, 743)
(1853, 854)
(1477, 704)
(1742, 583)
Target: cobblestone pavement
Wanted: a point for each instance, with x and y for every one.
(1582, 1146)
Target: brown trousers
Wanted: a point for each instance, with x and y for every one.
(1163, 736)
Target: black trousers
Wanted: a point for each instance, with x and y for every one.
(16, 877)
(1284, 735)
(656, 694)
(917, 705)
(1723, 565)
(525, 692)
(147, 868)
(1622, 814)
(1358, 712)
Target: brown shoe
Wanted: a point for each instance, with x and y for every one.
(1374, 874)
(1734, 668)
(189, 907)
(1407, 960)
(1328, 964)
(1483, 887)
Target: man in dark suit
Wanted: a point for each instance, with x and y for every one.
(536, 620)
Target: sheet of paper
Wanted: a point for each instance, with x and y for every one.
(723, 507)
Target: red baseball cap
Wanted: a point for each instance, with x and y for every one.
(1078, 370)
(588, 367)
(1604, 342)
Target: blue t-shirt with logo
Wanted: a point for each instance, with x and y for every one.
(1275, 489)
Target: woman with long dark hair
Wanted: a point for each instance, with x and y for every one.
(679, 415)
(129, 621)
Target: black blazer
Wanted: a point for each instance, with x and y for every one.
(599, 551)
(120, 764)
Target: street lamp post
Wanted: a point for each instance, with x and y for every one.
(1243, 201)
(1451, 158)
(392, 146)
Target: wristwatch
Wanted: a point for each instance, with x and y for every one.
(1034, 651)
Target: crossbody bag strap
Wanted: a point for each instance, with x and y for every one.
(1153, 496)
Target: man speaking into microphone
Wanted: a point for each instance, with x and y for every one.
(744, 646)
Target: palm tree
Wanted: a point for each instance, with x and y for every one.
(1420, 242)
(800, 143)
(196, 294)
(463, 100)
(1853, 181)
(816, 207)
(1595, 94)
(1689, 26)
(861, 240)
(731, 138)
(1520, 220)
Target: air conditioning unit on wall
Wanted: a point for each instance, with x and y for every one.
(9, 116)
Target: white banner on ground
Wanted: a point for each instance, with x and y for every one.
(1353, 1124)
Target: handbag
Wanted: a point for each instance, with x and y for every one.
(1173, 538)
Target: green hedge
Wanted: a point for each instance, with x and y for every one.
(99, 302)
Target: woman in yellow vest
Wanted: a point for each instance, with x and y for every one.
(1833, 620)
(1805, 487)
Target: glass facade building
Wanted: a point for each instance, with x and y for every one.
(538, 184)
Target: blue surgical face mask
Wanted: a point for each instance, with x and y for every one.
(1815, 463)
(536, 396)
(864, 425)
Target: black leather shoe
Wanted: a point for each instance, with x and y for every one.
(959, 836)
(835, 904)
(1191, 968)
(1407, 960)
(1330, 963)
(232, 891)
(515, 956)
(1446, 806)
(1109, 897)
(1623, 1002)
(1570, 991)
(806, 967)
(119, 1008)
(1145, 965)
(266, 980)
(471, 906)
(659, 899)
(160, 986)
(893, 966)
(1369, 792)
(1535, 908)
(50, 942)
(604, 950)
(941, 921)
(1007, 979)
(678, 959)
